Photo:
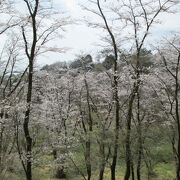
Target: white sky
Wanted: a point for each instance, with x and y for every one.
(80, 38)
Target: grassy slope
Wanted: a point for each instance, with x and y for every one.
(164, 171)
(161, 154)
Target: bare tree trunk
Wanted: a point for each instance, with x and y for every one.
(54, 152)
(1, 147)
(87, 158)
(114, 161)
(31, 57)
(101, 173)
(132, 170)
(139, 131)
(117, 125)
(103, 158)
(128, 136)
(90, 124)
(177, 117)
(26, 126)
(115, 93)
(138, 170)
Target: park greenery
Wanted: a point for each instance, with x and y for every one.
(115, 116)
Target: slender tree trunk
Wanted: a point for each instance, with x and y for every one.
(54, 154)
(115, 93)
(26, 125)
(177, 115)
(87, 158)
(139, 131)
(1, 147)
(178, 158)
(90, 124)
(128, 136)
(132, 171)
(129, 116)
(138, 170)
(101, 173)
(178, 125)
(31, 57)
(114, 161)
(128, 157)
(117, 125)
(102, 168)
(102, 154)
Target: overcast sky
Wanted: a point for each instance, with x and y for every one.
(80, 38)
(84, 39)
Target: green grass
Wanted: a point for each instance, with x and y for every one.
(163, 171)
(44, 169)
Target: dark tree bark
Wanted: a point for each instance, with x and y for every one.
(115, 94)
(31, 57)
(128, 136)
(103, 156)
(135, 91)
(90, 128)
(139, 131)
(132, 171)
(140, 152)
(54, 152)
(177, 114)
